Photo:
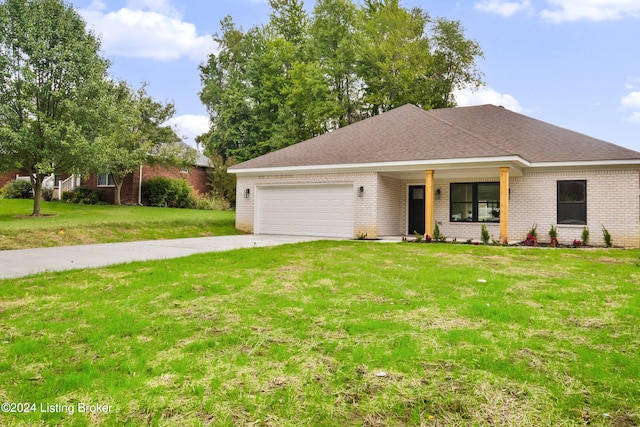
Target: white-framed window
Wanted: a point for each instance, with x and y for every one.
(105, 180)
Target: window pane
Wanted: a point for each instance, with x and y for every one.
(572, 202)
(572, 191)
(489, 202)
(462, 193)
(461, 212)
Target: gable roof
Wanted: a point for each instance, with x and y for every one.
(409, 133)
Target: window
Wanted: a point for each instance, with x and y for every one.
(475, 202)
(572, 202)
(105, 180)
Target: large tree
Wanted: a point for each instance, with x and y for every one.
(51, 73)
(300, 76)
(133, 130)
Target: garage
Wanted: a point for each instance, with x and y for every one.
(305, 210)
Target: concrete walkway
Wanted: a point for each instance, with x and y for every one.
(25, 262)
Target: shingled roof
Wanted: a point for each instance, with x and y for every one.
(410, 133)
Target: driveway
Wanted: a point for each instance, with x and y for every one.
(25, 262)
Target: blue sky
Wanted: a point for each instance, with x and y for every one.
(572, 63)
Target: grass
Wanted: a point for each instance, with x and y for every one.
(72, 224)
(331, 333)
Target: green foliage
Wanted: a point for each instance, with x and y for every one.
(17, 189)
(223, 184)
(82, 196)
(304, 74)
(169, 192)
(50, 74)
(585, 235)
(437, 235)
(212, 204)
(608, 240)
(484, 234)
(553, 236)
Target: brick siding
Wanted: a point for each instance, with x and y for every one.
(613, 201)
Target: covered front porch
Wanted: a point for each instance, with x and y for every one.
(459, 200)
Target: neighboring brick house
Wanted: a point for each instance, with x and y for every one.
(131, 193)
(406, 169)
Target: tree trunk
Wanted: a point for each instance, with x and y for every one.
(117, 181)
(36, 183)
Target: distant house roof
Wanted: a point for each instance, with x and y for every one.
(410, 133)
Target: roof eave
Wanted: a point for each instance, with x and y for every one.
(397, 166)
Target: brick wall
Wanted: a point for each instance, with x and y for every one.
(613, 200)
(196, 177)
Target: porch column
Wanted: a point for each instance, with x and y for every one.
(428, 203)
(504, 204)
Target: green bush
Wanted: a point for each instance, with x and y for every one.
(82, 196)
(17, 189)
(211, 203)
(169, 192)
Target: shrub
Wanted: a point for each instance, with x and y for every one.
(17, 189)
(553, 236)
(532, 236)
(81, 196)
(585, 235)
(608, 240)
(47, 194)
(484, 235)
(437, 235)
(175, 193)
(210, 203)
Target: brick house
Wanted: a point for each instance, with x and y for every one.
(131, 193)
(406, 169)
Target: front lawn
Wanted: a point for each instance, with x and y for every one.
(72, 224)
(330, 333)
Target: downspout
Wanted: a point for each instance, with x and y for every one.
(140, 188)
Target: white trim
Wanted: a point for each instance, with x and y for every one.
(517, 163)
(398, 166)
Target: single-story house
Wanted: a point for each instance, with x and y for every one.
(131, 193)
(404, 170)
(196, 175)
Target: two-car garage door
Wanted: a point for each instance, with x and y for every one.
(306, 210)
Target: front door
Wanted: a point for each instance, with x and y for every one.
(416, 209)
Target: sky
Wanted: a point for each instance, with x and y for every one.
(571, 63)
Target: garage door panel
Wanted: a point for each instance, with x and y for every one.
(313, 210)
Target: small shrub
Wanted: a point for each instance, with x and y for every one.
(418, 236)
(484, 235)
(428, 238)
(608, 240)
(532, 236)
(210, 203)
(169, 192)
(47, 194)
(553, 236)
(437, 235)
(585, 235)
(577, 243)
(18, 189)
(81, 196)
(361, 236)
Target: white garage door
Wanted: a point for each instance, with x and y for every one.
(305, 210)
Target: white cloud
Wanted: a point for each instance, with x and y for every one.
(190, 126)
(147, 29)
(590, 10)
(469, 97)
(501, 7)
(631, 103)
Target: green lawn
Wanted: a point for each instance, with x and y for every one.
(72, 224)
(331, 333)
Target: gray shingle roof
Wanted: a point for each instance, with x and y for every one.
(409, 133)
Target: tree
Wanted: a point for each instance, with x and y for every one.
(50, 77)
(300, 76)
(133, 131)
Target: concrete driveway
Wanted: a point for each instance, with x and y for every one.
(25, 262)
